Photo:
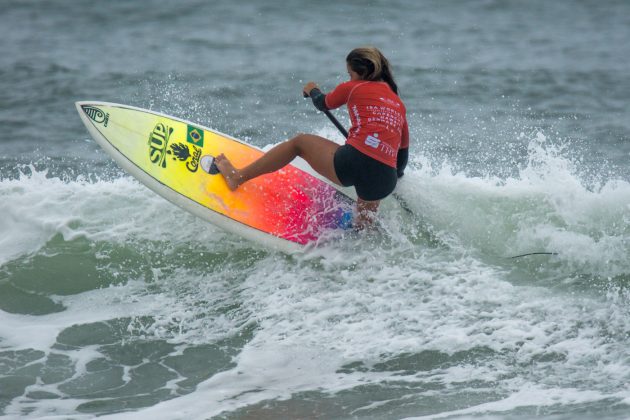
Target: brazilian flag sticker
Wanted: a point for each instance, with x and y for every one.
(194, 135)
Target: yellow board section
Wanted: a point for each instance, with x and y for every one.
(164, 152)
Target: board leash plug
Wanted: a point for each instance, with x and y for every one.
(208, 165)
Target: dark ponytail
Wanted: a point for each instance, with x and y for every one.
(370, 64)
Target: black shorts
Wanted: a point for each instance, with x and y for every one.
(373, 180)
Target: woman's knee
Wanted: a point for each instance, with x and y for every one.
(298, 143)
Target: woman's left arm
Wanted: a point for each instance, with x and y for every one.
(403, 151)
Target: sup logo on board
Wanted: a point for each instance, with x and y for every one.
(158, 143)
(96, 114)
(160, 146)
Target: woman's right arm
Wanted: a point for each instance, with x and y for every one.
(319, 99)
(332, 100)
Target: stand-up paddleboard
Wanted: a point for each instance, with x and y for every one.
(287, 210)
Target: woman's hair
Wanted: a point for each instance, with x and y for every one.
(371, 64)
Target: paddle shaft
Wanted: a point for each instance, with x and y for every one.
(334, 120)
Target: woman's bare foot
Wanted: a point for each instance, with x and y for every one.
(232, 176)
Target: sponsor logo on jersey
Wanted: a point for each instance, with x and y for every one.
(372, 141)
(390, 101)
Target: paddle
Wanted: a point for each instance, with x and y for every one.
(343, 131)
(334, 120)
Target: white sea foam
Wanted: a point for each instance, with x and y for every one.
(37, 207)
(312, 324)
(547, 208)
(354, 301)
(526, 396)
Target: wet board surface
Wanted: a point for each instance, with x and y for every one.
(287, 210)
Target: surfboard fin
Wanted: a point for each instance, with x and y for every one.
(208, 165)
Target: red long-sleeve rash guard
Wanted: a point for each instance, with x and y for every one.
(378, 116)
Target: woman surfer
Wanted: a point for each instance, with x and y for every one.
(376, 151)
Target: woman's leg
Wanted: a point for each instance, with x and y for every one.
(366, 213)
(317, 151)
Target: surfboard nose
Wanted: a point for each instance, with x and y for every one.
(80, 104)
(93, 112)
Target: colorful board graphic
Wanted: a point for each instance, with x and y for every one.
(287, 209)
